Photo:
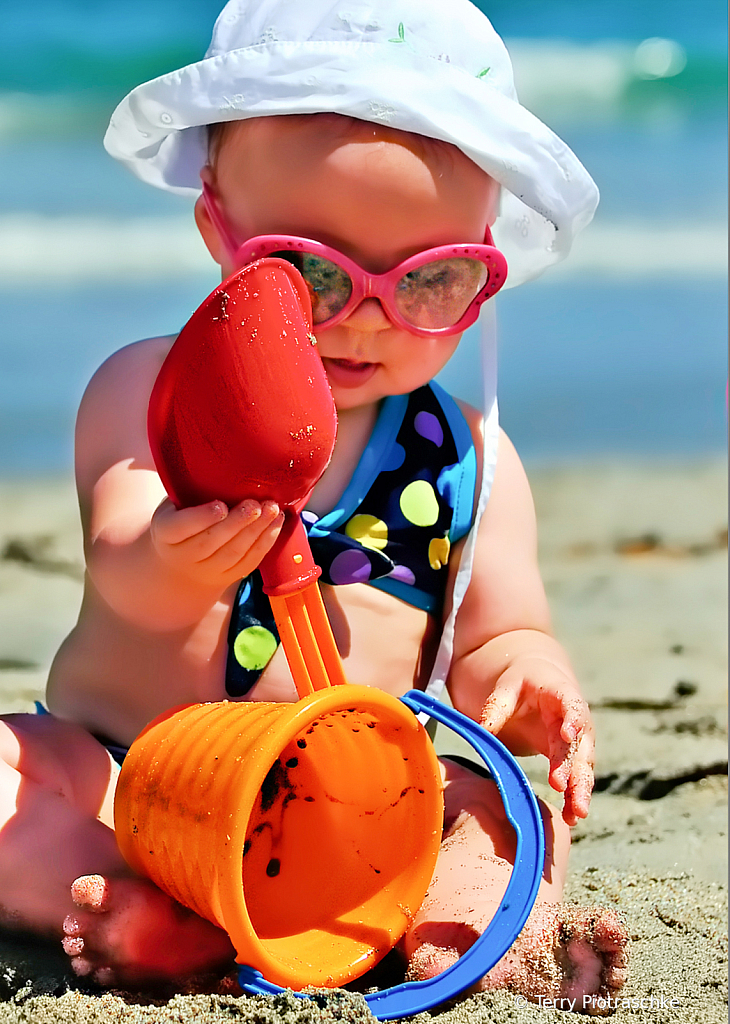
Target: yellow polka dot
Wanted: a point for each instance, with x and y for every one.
(371, 532)
(419, 504)
(254, 647)
(438, 552)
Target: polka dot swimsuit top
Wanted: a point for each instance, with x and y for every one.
(410, 498)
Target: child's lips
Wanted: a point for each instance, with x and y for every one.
(348, 373)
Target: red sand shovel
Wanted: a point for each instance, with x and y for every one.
(242, 409)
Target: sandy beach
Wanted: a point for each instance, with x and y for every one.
(634, 558)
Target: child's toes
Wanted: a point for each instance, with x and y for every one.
(438, 945)
(428, 961)
(91, 892)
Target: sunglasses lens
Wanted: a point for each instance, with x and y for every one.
(329, 286)
(439, 293)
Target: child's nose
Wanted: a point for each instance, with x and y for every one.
(368, 316)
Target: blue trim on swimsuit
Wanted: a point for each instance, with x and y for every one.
(467, 457)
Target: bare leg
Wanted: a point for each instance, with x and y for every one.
(56, 788)
(562, 951)
(56, 798)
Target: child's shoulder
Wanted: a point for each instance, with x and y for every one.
(140, 358)
(128, 374)
(112, 419)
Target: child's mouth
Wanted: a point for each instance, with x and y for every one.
(348, 373)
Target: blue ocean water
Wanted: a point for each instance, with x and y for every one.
(622, 351)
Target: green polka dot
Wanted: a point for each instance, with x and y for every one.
(254, 647)
(371, 532)
(419, 504)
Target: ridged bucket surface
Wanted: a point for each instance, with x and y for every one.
(308, 831)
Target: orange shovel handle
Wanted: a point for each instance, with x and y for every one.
(307, 639)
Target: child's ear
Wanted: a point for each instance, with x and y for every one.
(208, 233)
(495, 195)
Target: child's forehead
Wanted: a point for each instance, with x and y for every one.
(324, 145)
(320, 134)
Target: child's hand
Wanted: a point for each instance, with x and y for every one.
(536, 706)
(213, 545)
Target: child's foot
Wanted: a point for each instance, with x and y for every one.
(127, 931)
(563, 952)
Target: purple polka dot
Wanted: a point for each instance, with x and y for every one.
(403, 574)
(395, 458)
(350, 567)
(428, 426)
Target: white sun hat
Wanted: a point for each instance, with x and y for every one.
(433, 67)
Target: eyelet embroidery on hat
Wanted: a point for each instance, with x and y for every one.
(381, 111)
(269, 35)
(165, 117)
(346, 17)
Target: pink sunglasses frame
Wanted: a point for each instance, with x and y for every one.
(364, 284)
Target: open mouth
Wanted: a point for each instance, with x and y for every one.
(348, 373)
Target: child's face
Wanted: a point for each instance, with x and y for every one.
(374, 194)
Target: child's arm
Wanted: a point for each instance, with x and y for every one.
(158, 567)
(508, 671)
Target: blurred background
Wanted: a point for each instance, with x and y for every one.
(619, 352)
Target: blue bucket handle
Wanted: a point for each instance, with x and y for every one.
(524, 816)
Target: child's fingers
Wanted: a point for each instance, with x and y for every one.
(174, 526)
(567, 724)
(579, 789)
(501, 704)
(245, 549)
(575, 716)
(574, 777)
(205, 546)
(246, 519)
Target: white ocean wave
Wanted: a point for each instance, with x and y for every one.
(634, 249)
(595, 72)
(78, 250)
(53, 115)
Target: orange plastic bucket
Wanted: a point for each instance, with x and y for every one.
(309, 832)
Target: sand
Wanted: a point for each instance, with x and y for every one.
(634, 560)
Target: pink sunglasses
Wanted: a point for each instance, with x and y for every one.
(436, 292)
